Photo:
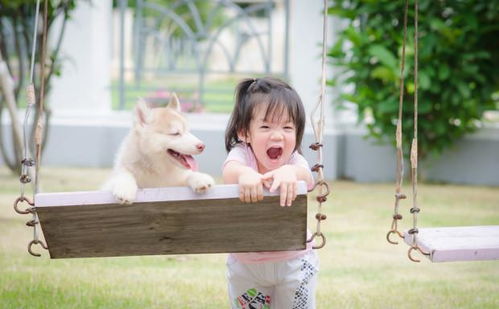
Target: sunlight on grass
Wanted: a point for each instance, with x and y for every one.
(358, 268)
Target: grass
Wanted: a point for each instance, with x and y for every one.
(218, 97)
(358, 268)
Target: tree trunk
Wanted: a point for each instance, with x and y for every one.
(7, 88)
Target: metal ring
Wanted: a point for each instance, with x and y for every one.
(36, 242)
(321, 183)
(323, 238)
(410, 256)
(417, 248)
(393, 232)
(20, 200)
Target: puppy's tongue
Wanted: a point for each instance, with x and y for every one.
(186, 160)
(274, 152)
(190, 162)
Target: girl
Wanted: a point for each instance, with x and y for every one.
(263, 139)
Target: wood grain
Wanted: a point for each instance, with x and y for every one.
(173, 227)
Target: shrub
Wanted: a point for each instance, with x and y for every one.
(458, 66)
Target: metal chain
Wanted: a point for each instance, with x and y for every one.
(318, 127)
(27, 162)
(398, 136)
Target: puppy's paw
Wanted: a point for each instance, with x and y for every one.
(125, 192)
(200, 182)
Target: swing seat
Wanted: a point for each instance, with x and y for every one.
(172, 220)
(465, 243)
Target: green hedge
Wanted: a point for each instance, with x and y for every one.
(458, 66)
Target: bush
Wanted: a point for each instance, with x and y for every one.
(458, 66)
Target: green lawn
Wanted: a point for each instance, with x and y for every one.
(358, 268)
(218, 96)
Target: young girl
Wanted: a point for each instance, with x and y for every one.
(263, 140)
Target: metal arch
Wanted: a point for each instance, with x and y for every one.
(199, 38)
(167, 12)
(193, 36)
(196, 16)
(244, 14)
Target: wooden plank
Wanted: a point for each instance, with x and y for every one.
(170, 220)
(465, 243)
(144, 195)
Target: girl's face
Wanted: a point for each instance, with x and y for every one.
(273, 140)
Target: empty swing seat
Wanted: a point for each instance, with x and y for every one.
(451, 244)
(172, 220)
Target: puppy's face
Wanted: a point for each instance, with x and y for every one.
(164, 134)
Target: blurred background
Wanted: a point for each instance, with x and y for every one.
(103, 55)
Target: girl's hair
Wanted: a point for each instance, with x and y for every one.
(279, 99)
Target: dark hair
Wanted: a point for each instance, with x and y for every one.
(279, 98)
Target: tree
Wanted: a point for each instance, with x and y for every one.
(458, 63)
(16, 36)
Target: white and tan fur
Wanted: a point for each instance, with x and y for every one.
(144, 161)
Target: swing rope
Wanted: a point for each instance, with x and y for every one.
(27, 163)
(414, 149)
(414, 146)
(318, 127)
(398, 136)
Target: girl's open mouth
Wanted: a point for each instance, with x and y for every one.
(185, 160)
(274, 153)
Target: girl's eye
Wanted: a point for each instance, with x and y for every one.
(175, 134)
(264, 127)
(289, 128)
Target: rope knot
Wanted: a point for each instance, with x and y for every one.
(400, 196)
(31, 223)
(321, 198)
(320, 217)
(316, 167)
(25, 178)
(316, 146)
(28, 162)
(413, 231)
(397, 217)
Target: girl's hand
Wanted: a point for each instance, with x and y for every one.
(250, 187)
(284, 178)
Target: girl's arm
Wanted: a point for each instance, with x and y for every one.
(303, 173)
(250, 181)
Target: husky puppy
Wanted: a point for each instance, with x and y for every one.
(157, 152)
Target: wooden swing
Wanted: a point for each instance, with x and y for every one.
(172, 220)
(445, 244)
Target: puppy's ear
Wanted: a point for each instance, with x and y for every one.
(143, 113)
(174, 102)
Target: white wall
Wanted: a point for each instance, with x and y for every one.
(85, 84)
(305, 53)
